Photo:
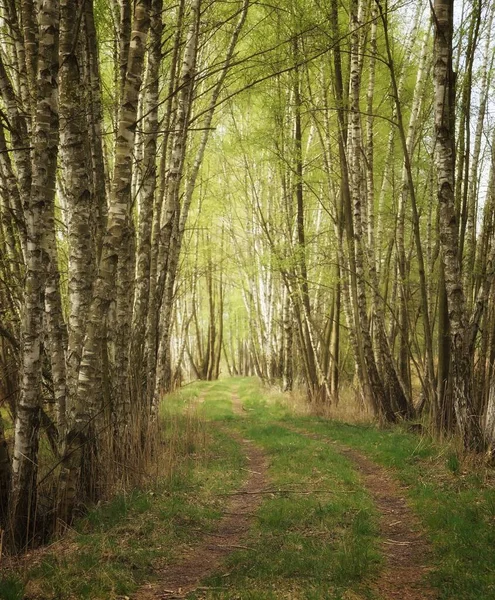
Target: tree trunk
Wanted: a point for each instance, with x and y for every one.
(288, 370)
(78, 193)
(5, 475)
(430, 384)
(23, 499)
(81, 443)
(461, 346)
(147, 196)
(157, 345)
(99, 182)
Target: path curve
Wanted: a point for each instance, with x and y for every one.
(180, 579)
(404, 547)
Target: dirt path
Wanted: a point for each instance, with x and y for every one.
(237, 407)
(176, 581)
(405, 549)
(403, 546)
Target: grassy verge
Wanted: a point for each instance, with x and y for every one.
(116, 546)
(454, 499)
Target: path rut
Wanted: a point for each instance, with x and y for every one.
(184, 577)
(404, 547)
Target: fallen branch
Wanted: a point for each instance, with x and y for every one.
(307, 493)
(237, 546)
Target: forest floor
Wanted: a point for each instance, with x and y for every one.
(262, 501)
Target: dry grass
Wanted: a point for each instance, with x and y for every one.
(348, 409)
(126, 458)
(138, 491)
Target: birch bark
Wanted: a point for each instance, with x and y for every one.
(45, 146)
(472, 193)
(99, 181)
(430, 386)
(5, 475)
(157, 355)
(156, 252)
(81, 440)
(119, 206)
(381, 401)
(147, 196)
(78, 190)
(461, 345)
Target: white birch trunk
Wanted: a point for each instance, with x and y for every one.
(78, 189)
(45, 145)
(147, 196)
(472, 198)
(88, 406)
(157, 351)
(461, 365)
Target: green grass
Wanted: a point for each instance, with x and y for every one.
(315, 536)
(455, 504)
(116, 546)
(318, 545)
(11, 588)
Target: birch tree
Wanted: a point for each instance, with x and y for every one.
(80, 439)
(22, 505)
(461, 334)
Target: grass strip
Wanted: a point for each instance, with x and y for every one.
(454, 499)
(302, 544)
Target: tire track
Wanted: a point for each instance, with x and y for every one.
(405, 550)
(182, 578)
